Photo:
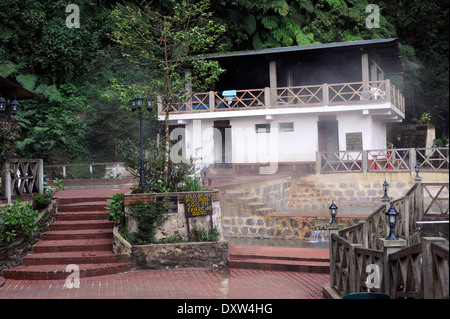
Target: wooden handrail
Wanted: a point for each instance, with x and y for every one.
(295, 96)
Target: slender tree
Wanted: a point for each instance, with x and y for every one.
(167, 40)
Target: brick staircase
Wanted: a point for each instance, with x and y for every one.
(82, 235)
(279, 259)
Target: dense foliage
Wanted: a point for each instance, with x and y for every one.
(16, 220)
(72, 70)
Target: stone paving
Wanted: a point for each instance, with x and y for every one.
(175, 284)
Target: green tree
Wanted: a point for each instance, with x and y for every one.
(166, 42)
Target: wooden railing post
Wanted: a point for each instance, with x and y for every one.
(40, 177)
(389, 247)
(427, 266)
(211, 101)
(325, 94)
(267, 98)
(412, 160)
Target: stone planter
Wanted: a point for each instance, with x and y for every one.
(177, 222)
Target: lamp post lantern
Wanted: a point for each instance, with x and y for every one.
(138, 103)
(385, 189)
(333, 212)
(417, 169)
(392, 220)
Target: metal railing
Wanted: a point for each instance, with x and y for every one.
(85, 170)
(297, 96)
(383, 160)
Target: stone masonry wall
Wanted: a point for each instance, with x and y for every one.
(273, 208)
(209, 255)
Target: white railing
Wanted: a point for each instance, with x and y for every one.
(21, 177)
(383, 160)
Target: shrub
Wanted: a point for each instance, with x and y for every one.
(149, 217)
(41, 201)
(16, 220)
(199, 235)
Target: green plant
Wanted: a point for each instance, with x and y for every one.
(199, 235)
(441, 142)
(116, 209)
(191, 184)
(16, 220)
(424, 119)
(149, 217)
(57, 186)
(172, 239)
(41, 201)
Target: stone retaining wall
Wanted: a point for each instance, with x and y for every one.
(276, 208)
(209, 255)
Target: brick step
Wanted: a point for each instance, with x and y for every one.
(78, 234)
(48, 246)
(82, 200)
(82, 224)
(277, 258)
(281, 265)
(74, 257)
(55, 272)
(67, 216)
(84, 207)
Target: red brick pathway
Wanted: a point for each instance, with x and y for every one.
(176, 284)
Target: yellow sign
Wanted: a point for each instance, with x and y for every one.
(197, 204)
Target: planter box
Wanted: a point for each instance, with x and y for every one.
(177, 221)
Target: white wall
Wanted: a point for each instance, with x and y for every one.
(299, 145)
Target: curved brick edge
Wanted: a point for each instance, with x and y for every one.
(2, 281)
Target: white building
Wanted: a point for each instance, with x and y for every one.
(279, 107)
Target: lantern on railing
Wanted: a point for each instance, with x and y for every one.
(333, 212)
(385, 189)
(417, 169)
(391, 221)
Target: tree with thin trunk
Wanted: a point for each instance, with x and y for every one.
(167, 41)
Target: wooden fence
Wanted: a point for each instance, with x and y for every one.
(412, 267)
(297, 96)
(383, 160)
(21, 177)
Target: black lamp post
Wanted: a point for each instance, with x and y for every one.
(392, 220)
(139, 103)
(385, 189)
(417, 168)
(333, 212)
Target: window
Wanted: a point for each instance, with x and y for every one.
(286, 127)
(262, 128)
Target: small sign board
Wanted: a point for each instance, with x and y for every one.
(170, 203)
(354, 141)
(197, 204)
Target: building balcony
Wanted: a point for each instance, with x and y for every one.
(377, 98)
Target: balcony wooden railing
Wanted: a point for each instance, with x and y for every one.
(288, 97)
